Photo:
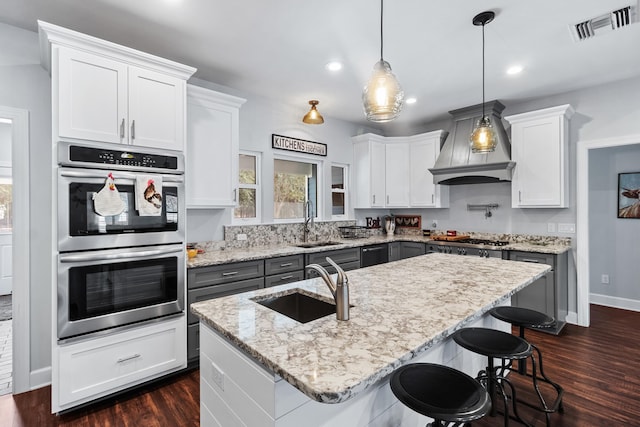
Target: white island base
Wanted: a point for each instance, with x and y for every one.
(235, 390)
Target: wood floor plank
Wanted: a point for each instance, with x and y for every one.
(598, 367)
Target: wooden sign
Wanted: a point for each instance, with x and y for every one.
(298, 145)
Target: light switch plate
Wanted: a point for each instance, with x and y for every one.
(551, 227)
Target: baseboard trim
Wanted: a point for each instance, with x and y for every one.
(615, 302)
(40, 378)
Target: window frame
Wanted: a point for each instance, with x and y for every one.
(257, 187)
(345, 191)
(319, 186)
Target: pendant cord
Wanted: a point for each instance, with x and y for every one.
(381, 38)
(483, 71)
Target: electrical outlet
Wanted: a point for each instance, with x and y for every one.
(605, 279)
(241, 237)
(434, 223)
(217, 376)
(551, 227)
(567, 228)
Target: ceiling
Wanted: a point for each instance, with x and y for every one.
(278, 49)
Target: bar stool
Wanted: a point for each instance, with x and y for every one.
(525, 318)
(501, 345)
(440, 392)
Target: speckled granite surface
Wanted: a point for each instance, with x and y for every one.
(216, 254)
(400, 310)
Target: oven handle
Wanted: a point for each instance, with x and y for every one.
(122, 255)
(118, 175)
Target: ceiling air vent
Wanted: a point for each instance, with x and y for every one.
(603, 23)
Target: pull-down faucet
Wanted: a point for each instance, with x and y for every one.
(339, 290)
(308, 220)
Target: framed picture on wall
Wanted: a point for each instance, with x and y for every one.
(629, 195)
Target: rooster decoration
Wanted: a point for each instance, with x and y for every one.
(631, 211)
(152, 196)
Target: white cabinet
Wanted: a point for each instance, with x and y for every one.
(369, 171)
(93, 368)
(109, 93)
(212, 148)
(394, 172)
(423, 152)
(397, 173)
(539, 146)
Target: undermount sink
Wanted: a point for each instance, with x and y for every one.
(299, 307)
(317, 244)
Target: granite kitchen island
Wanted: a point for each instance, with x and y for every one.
(259, 367)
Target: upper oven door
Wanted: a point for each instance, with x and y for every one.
(81, 228)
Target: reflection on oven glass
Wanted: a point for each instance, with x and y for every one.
(171, 208)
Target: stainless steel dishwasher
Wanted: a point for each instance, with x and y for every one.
(374, 254)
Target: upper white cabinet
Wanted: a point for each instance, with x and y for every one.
(397, 173)
(212, 148)
(539, 146)
(110, 93)
(394, 172)
(423, 152)
(369, 171)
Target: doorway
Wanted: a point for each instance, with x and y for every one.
(6, 264)
(14, 241)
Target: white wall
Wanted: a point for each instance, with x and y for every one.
(613, 241)
(259, 119)
(26, 85)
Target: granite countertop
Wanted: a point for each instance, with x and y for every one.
(226, 256)
(400, 310)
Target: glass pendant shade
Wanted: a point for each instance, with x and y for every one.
(382, 97)
(483, 137)
(313, 117)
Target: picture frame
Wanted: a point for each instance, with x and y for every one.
(629, 195)
(408, 221)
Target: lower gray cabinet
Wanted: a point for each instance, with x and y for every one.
(548, 294)
(347, 259)
(216, 281)
(282, 270)
(402, 250)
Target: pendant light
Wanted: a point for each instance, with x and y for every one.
(382, 97)
(313, 117)
(483, 137)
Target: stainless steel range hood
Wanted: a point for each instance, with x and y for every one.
(458, 165)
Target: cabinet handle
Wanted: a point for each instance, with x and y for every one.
(286, 264)
(122, 129)
(387, 199)
(433, 198)
(235, 194)
(126, 359)
(374, 198)
(133, 130)
(230, 273)
(519, 195)
(529, 260)
(286, 277)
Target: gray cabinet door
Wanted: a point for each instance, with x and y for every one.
(394, 251)
(539, 296)
(411, 249)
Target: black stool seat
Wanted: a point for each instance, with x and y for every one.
(440, 392)
(522, 317)
(493, 343)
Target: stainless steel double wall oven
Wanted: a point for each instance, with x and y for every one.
(119, 269)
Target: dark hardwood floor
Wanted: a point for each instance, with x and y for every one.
(599, 368)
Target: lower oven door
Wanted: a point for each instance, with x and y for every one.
(98, 290)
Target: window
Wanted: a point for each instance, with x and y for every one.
(248, 209)
(6, 205)
(338, 191)
(294, 183)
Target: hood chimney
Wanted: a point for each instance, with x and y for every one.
(457, 164)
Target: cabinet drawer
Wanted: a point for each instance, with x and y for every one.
(535, 257)
(283, 264)
(219, 274)
(281, 279)
(216, 291)
(97, 367)
(346, 267)
(339, 256)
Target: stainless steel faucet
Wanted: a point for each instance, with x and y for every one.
(339, 290)
(308, 220)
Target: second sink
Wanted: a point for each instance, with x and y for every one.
(298, 306)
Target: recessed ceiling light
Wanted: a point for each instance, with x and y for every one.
(516, 69)
(334, 66)
(411, 100)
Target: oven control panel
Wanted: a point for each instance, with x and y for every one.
(125, 158)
